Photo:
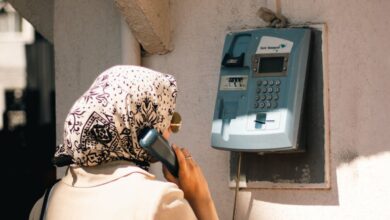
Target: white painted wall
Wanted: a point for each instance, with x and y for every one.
(359, 66)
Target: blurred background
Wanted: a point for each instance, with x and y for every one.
(27, 119)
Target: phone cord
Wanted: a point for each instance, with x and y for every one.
(237, 185)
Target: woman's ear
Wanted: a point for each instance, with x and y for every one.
(167, 133)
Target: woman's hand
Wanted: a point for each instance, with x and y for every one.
(193, 184)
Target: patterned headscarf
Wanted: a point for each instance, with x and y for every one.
(104, 123)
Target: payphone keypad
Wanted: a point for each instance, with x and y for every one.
(267, 94)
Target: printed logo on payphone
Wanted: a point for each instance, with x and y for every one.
(273, 47)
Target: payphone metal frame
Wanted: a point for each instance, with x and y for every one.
(244, 184)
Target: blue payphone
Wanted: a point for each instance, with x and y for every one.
(260, 92)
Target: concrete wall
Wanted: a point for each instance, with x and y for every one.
(358, 64)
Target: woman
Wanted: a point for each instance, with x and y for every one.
(107, 176)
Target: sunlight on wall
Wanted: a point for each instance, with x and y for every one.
(358, 197)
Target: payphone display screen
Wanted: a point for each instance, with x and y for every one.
(271, 65)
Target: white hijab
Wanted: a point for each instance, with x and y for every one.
(104, 123)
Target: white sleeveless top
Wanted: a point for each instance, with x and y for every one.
(115, 191)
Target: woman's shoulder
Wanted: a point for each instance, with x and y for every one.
(145, 181)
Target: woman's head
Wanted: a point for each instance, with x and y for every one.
(104, 123)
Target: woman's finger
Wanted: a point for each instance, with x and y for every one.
(186, 153)
(180, 158)
(189, 159)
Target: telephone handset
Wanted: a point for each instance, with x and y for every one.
(155, 144)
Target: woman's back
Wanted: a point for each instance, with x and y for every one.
(117, 190)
